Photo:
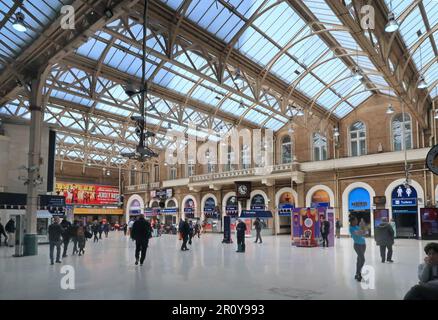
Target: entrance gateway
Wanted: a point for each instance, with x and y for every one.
(404, 202)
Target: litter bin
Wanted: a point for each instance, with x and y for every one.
(30, 245)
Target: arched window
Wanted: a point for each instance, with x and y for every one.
(171, 204)
(319, 147)
(397, 132)
(286, 150)
(172, 173)
(358, 139)
(245, 157)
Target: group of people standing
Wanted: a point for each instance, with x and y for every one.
(10, 230)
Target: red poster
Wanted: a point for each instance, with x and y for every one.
(75, 193)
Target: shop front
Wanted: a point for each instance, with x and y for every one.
(359, 206)
(405, 211)
(112, 216)
(170, 213)
(189, 209)
(286, 204)
(258, 209)
(134, 209)
(211, 215)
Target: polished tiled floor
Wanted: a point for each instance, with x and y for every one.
(210, 270)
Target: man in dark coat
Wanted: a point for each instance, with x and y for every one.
(384, 236)
(10, 229)
(141, 232)
(325, 230)
(55, 233)
(258, 228)
(185, 231)
(66, 235)
(241, 228)
(2, 232)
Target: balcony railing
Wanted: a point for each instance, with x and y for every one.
(135, 188)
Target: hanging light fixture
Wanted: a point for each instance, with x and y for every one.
(392, 25)
(390, 109)
(421, 81)
(300, 112)
(336, 132)
(19, 22)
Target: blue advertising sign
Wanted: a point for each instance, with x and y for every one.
(151, 212)
(359, 199)
(285, 209)
(170, 211)
(320, 204)
(258, 202)
(256, 214)
(404, 196)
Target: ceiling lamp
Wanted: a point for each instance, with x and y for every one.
(336, 132)
(19, 22)
(422, 83)
(390, 109)
(108, 173)
(392, 25)
(357, 74)
(300, 112)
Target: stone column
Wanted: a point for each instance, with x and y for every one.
(34, 162)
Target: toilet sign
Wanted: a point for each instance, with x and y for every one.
(404, 196)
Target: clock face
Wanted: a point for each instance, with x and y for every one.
(243, 189)
(432, 160)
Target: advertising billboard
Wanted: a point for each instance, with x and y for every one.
(76, 193)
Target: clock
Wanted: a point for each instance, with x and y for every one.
(432, 160)
(243, 190)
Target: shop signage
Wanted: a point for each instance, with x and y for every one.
(404, 196)
(170, 211)
(285, 209)
(258, 202)
(151, 212)
(232, 211)
(97, 211)
(256, 214)
(162, 193)
(90, 194)
(359, 199)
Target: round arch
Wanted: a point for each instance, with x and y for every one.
(345, 212)
(183, 203)
(152, 201)
(225, 199)
(420, 195)
(253, 193)
(283, 190)
(128, 204)
(320, 187)
(172, 199)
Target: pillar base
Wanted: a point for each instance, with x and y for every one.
(30, 245)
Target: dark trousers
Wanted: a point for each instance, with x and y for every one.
(184, 244)
(258, 236)
(65, 241)
(75, 245)
(54, 244)
(241, 243)
(106, 234)
(190, 238)
(141, 246)
(96, 238)
(324, 239)
(383, 252)
(360, 250)
(100, 234)
(338, 233)
(6, 239)
(422, 292)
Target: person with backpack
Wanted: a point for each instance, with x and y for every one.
(10, 229)
(240, 229)
(141, 233)
(191, 232)
(95, 229)
(325, 231)
(66, 235)
(384, 236)
(74, 236)
(101, 227)
(258, 227)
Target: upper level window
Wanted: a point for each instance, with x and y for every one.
(398, 142)
(230, 160)
(132, 177)
(286, 150)
(319, 147)
(245, 157)
(172, 173)
(156, 173)
(210, 162)
(358, 139)
(190, 168)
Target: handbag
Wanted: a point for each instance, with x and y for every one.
(88, 234)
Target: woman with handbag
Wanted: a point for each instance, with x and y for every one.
(82, 235)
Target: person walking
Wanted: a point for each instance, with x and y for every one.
(338, 228)
(258, 228)
(81, 235)
(359, 246)
(125, 228)
(427, 289)
(66, 235)
(384, 236)
(101, 227)
(198, 229)
(74, 236)
(2, 232)
(55, 233)
(130, 224)
(10, 229)
(325, 231)
(185, 230)
(95, 229)
(106, 229)
(240, 229)
(191, 232)
(141, 233)
(393, 226)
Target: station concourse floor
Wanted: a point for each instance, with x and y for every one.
(211, 270)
